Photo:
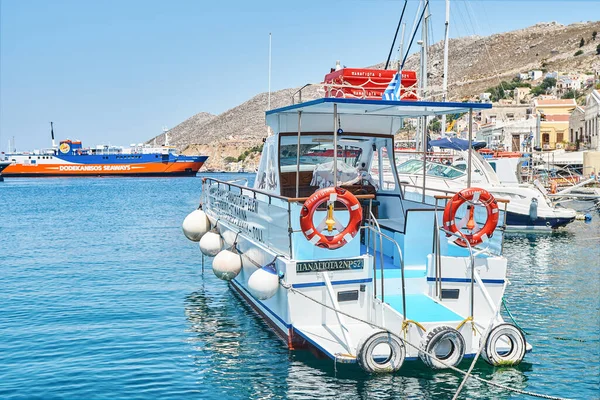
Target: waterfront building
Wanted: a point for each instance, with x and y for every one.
(554, 121)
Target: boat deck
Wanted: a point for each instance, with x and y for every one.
(422, 308)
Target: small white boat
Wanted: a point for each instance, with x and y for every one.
(529, 207)
(336, 259)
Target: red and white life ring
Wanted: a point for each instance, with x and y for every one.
(345, 234)
(473, 196)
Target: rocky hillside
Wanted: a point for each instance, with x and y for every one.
(187, 131)
(475, 64)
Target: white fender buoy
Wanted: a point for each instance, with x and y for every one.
(211, 244)
(227, 265)
(264, 282)
(195, 225)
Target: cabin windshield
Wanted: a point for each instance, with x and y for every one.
(433, 169)
(360, 159)
(315, 151)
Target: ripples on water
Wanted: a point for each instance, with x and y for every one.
(103, 297)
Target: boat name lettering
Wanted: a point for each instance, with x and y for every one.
(234, 208)
(330, 265)
(85, 168)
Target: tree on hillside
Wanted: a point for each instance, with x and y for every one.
(598, 49)
(578, 53)
(435, 125)
(571, 94)
(582, 43)
(594, 35)
(544, 87)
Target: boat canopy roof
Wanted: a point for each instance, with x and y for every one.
(359, 115)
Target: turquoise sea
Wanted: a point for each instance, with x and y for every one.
(102, 297)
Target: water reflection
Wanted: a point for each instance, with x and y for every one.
(554, 293)
(309, 378)
(233, 352)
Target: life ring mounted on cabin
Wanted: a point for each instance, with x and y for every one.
(472, 196)
(315, 234)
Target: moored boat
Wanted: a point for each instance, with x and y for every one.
(333, 256)
(529, 209)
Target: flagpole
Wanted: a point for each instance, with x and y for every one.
(269, 105)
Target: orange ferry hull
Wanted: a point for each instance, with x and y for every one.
(138, 169)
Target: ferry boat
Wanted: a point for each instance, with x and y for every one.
(3, 165)
(338, 261)
(70, 158)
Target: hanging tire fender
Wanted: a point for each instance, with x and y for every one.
(504, 346)
(446, 343)
(368, 360)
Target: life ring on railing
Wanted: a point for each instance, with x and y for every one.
(472, 196)
(345, 234)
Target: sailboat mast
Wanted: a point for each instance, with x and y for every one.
(445, 77)
(422, 146)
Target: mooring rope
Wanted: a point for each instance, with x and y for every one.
(512, 318)
(486, 381)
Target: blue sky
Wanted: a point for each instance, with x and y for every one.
(117, 71)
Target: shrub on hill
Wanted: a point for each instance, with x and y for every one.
(578, 53)
(544, 86)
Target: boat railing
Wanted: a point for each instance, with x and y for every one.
(374, 240)
(249, 207)
(258, 214)
(458, 235)
(339, 90)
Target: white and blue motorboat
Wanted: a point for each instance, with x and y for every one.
(529, 209)
(335, 259)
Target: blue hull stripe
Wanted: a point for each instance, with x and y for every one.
(127, 158)
(316, 345)
(465, 280)
(317, 284)
(514, 219)
(237, 284)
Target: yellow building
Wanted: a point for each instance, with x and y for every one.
(554, 121)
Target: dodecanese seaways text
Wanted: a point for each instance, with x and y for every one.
(95, 167)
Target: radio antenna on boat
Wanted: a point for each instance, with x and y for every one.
(166, 132)
(387, 63)
(401, 48)
(269, 96)
(52, 134)
(269, 104)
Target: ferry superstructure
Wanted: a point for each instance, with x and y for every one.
(336, 259)
(70, 158)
